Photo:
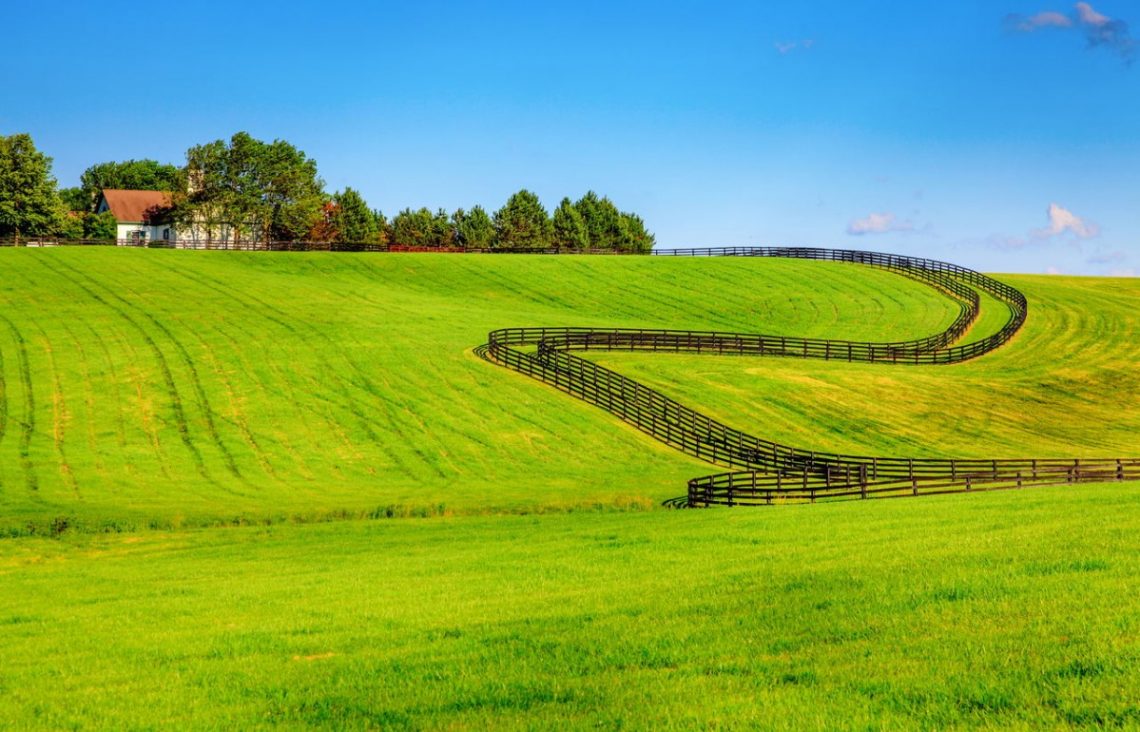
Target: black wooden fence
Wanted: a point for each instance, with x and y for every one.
(771, 472)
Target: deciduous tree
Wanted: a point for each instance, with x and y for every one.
(75, 199)
(134, 175)
(29, 204)
(257, 189)
(100, 226)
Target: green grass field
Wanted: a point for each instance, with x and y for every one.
(150, 398)
(172, 388)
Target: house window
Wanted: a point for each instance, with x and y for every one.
(166, 234)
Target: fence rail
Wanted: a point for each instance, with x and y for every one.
(769, 472)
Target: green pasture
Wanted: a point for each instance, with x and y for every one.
(1000, 610)
(173, 388)
(1068, 385)
(522, 573)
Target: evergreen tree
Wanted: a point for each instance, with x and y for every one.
(633, 236)
(602, 220)
(442, 230)
(383, 228)
(352, 220)
(412, 228)
(569, 227)
(474, 229)
(29, 204)
(522, 223)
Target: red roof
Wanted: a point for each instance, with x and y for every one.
(137, 206)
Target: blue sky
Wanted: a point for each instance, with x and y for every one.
(999, 135)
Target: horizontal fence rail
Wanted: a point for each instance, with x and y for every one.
(768, 472)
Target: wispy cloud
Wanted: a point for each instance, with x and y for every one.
(1098, 29)
(1047, 19)
(785, 47)
(878, 223)
(1063, 221)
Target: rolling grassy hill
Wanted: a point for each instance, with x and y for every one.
(1067, 386)
(184, 389)
(181, 388)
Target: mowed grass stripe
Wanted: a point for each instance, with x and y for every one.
(188, 363)
(27, 424)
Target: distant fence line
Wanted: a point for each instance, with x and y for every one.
(770, 472)
(285, 246)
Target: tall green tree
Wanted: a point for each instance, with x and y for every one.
(632, 235)
(602, 220)
(76, 199)
(261, 190)
(569, 227)
(522, 223)
(134, 175)
(29, 204)
(442, 230)
(383, 227)
(474, 229)
(413, 228)
(352, 220)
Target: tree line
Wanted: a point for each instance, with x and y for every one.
(247, 189)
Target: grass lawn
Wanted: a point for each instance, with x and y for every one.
(179, 432)
(1008, 609)
(173, 388)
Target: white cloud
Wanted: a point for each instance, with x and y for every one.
(1063, 221)
(1089, 16)
(1047, 19)
(1129, 272)
(785, 47)
(877, 223)
(1097, 28)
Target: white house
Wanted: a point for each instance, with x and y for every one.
(142, 216)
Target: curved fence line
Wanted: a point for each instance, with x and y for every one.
(769, 472)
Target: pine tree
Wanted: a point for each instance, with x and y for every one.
(474, 229)
(352, 220)
(569, 227)
(522, 223)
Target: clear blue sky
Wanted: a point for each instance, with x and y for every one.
(999, 135)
